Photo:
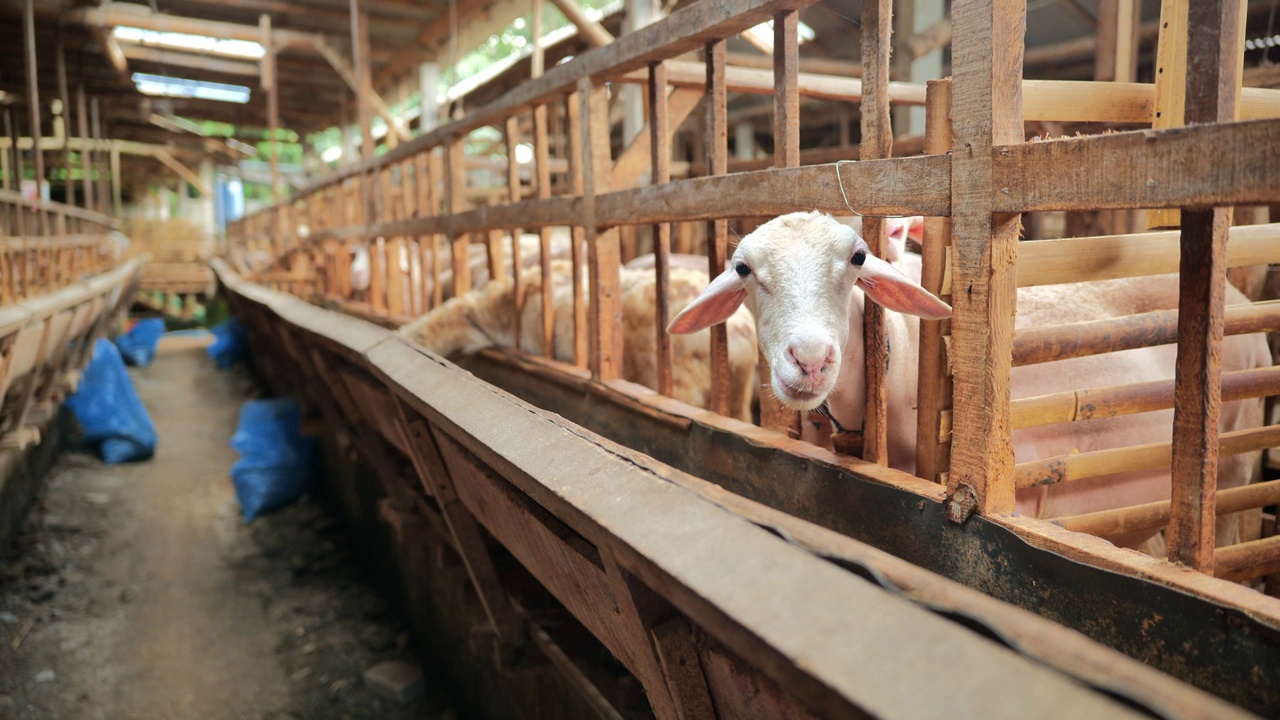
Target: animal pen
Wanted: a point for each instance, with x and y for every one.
(725, 564)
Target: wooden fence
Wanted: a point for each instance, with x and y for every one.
(47, 245)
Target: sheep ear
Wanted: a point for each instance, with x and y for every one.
(719, 301)
(887, 286)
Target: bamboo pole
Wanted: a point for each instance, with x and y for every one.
(1066, 468)
(1148, 516)
(1059, 342)
(1111, 401)
(1247, 560)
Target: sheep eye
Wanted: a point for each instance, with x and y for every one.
(859, 257)
(741, 269)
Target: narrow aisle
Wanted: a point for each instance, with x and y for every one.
(142, 594)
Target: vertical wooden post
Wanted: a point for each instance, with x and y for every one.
(716, 138)
(511, 132)
(65, 96)
(33, 101)
(364, 75)
(575, 148)
(1171, 85)
(456, 192)
(104, 182)
(117, 194)
(934, 396)
(877, 143)
(986, 112)
(82, 115)
(542, 182)
(660, 164)
(269, 84)
(603, 261)
(1215, 30)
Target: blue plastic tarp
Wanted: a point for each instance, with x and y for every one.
(230, 343)
(138, 346)
(274, 468)
(115, 422)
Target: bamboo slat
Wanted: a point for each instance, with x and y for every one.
(1110, 523)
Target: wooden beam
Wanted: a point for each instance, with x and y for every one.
(716, 143)
(634, 161)
(362, 71)
(82, 115)
(986, 112)
(177, 167)
(684, 73)
(1171, 85)
(603, 260)
(178, 58)
(592, 32)
(660, 173)
(117, 197)
(112, 14)
(877, 143)
(33, 100)
(65, 96)
(1215, 37)
(270, 83)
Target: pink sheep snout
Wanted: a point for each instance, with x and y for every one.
(812, 359)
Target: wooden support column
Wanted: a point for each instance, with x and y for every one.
(986, 112)
(82, 116)
(65, 96)
(716, 140)
(1215, 35)
(591, 32)
(542, 187)
(877, 143)
(269, 84)
(511, 133)
(104, 182)
(786, 153)
(456, 197)
(1171, 85)
(573, 125)
(364, 75)
(660, 165)
(934, 394)
(33, 102)
(603, 261)
(117, 194)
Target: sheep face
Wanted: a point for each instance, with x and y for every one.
(797, 273)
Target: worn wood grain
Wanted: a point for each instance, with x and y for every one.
(660, 121)
(603, 258)
(716, 144)
(986, 112)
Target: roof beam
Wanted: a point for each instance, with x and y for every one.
(185, 59)
(113, 14)
(348, 75)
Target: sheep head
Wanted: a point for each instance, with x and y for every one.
(797, 273)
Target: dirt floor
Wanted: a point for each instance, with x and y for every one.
(138, 592)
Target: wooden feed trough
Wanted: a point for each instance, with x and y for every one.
(411, 211)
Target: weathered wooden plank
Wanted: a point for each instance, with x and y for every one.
(986, 112)
(716, 144)
(660, 118)
(877, 144)
(603, 259)
(1213, 48)
(542, 176)
(1195, 166)
(590, 487)
(1170, 85)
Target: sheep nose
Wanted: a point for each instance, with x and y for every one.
(811, 359)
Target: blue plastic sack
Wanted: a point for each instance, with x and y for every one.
(115, 422)
(273, 470)
(138, 346)
(230, 343)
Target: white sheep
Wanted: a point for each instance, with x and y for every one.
(485, 317)
(804, 275)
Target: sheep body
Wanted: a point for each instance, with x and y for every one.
(485, 317)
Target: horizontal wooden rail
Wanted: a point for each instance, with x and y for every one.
(1247, 560)
(10, 197)
(1066, 468)
(1110, 523)
(1173, 167)
(1160, 327)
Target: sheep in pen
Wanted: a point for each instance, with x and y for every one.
(832, 381)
